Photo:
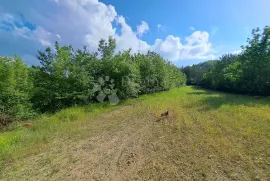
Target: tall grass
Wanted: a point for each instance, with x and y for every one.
(21, 141)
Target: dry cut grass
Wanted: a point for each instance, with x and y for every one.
(207, 136)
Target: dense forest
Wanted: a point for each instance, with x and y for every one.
(247, 72)
(68, 77)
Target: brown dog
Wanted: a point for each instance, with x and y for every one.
(166, 113)
(163, 115)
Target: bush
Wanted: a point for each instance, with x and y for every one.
(15, 89)
(68, 78)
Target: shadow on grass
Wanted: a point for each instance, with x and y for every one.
(214, 99)
(201, 91)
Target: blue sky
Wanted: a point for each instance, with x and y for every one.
(182, 31)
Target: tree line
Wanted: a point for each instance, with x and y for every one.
(68, 77)
(247, 72)
(195, 72)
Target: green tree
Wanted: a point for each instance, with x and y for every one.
(247, 72)
(256, 62)
(15, 89)
(64, 79)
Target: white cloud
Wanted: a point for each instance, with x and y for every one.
(40, 35)
(10, 22)
(44, 37)
(89, 21)
(214, 30)
(170, 48)
(128, 39)
(21, 45)
(142, 28)
(192, 28)
(236, 51)
(159, 27)
(45, 43)
(85, 22)
(197, 37)
(197, 47)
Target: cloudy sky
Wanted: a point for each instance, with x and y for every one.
(184, 32)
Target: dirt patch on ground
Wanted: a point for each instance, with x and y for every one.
(138, 148)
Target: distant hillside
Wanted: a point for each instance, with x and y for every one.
(194, 73)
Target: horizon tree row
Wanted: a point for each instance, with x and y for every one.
(247, 72)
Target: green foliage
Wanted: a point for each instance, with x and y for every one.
(256, 63)
(124, 72)
(247, 72)
(68, 77)
(63, 80)
(15, 89)
(195, 72)
(156, 74)
(107, 49)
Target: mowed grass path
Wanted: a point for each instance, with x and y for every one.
(207, 136)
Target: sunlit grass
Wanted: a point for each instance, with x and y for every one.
(21, 140)
(234, 129)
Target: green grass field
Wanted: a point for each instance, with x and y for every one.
(207, 136)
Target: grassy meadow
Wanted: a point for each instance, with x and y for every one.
(208, 135)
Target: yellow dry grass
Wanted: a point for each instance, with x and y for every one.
(207, 136)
